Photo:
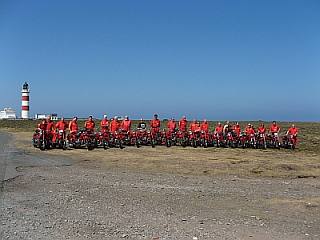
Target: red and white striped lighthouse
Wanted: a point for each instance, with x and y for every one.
(25, 101)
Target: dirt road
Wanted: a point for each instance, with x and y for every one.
(58, 197)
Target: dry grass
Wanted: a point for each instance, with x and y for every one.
(212, 161)
(309, 137)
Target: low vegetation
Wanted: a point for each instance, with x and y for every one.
(304, 162)
(309, 137)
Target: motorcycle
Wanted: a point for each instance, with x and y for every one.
(289, 141)
(156, 138)
(134, 139)
(242, 140)
(230, 140)
(73, 140)
(261, 141)
(102, 139)
(205, 139)
(251, 141)
(219, 140)
(182, 138)
(143, 137)
(60, 140)
(194, 138)
(82, 139)
(236, 139)
(116, 139)
(170, 138)
(273, 140)
(40, 140)
(88, 139)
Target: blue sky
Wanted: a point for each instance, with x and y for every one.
(215, 59)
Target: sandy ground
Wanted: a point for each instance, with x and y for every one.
(159, 193)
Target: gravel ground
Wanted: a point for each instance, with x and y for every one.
(53, 197)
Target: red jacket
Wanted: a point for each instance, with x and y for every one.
(205, 127)
(50, 126)
(249, 131)
(42, 126)
(219, 129)
(61, 125)
(262, 130)
(114, 125)
(293, 131)
(171, 125)
(73, 126)
(274, 128)
(183, 125)
(89, 125)
(104, 124)
(126, 125)
(195, 127)
(237, 129)
(155, 123)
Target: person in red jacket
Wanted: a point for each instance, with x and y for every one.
(195, 126)
(262, 133)
(42, 125)
(274, 128)
(219, 129)
(50, 124)
(89, 124)
(250, 130)
(262, 129)
(237, 129)
(50, 131)
(114, 125)
(62, 125)
(104, 124)
(126, 124)
(171, 125)
(73, 125)
(42, 128)
(293, 132)
(205, 126)
(155, 124)
(183, 124)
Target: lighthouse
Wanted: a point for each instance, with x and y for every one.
(25, 101)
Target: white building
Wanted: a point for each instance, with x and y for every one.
(8, 113)
(54, 116)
